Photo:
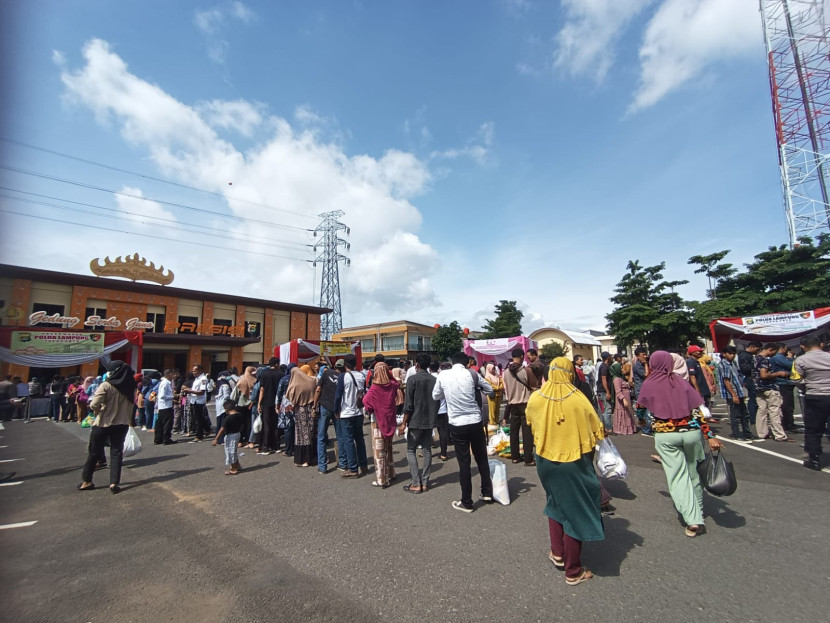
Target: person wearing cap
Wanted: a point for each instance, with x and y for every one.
(324, 407)
(696, 376)
(112, 405)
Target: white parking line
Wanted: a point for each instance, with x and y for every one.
(753, 446)
(24, 524)
(9, 460)
(9, 484)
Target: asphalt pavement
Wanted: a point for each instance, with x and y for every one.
(183, 542)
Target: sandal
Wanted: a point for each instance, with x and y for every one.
(231, 472)
(582, 577)
(559, 563)
(412, 489)
(375, 483)
(656, 458)
(692, 531)
(86, 487)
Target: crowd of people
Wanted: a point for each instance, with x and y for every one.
(556, 415)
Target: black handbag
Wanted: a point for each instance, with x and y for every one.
(717, 475)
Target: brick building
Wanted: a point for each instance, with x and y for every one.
(181, 327)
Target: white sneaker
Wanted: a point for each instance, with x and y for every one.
(143, 428)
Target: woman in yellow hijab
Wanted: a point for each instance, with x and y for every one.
(566, 430)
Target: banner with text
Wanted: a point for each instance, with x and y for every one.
(56, 343)
(779, 324)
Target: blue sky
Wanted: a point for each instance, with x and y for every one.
(514, 149)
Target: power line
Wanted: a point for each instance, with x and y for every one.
(148, 177)
(223, 232)
(155, 237)
(169, 203)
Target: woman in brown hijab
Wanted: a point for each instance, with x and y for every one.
(380, 403)
(242, 395)
(300, 394)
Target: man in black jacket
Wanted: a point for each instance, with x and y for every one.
(746, 364)
(420, 413)
(268, 382)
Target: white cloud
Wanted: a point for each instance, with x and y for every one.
(479, 148)
(681, 40)
(686, 36)
(213, 22)
(242, 12)
(59, 58)
(292, 170)
(239, 115)
(141, 211)
(586, 43)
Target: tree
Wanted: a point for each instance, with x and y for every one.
(779, 280)
(552, 350)
(447, 340)
(508, 321)
(714, 272)
(648, 311)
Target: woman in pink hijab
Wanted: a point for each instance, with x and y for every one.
(678, 412)
(380, 403)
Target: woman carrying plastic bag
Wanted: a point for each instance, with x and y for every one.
(112, 405)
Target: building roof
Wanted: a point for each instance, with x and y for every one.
(382, 325)
(36, 274)
(577, 337)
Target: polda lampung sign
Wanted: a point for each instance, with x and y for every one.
(779, 324)
(95, 322)
(56, 343)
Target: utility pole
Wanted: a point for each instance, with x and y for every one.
(798, 54)
(330, 257)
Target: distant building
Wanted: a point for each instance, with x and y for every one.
(575, 342)
(400, 339)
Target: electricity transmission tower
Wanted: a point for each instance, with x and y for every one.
(798, 54)
(331, 257)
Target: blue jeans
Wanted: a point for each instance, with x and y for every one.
(645, 415)
(752, 400)
(608, 412)
(326, 416)
(352, 428)
(149, 407)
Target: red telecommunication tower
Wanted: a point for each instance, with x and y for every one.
(798, 53)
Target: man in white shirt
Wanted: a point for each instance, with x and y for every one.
(459, 387)
(197, 397)
(164, 404)
(349, 384)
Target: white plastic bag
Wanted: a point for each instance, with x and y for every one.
(495, 439)
(257, 425)
(498, 474)
(132, 444)
(609, 461)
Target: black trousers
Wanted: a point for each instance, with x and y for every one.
(99, 436)
(787, 406)
(816, 421)
(269, 429)
(197, 419)
(471, 437)
(517, 421)
(164, 426)
(442, 423)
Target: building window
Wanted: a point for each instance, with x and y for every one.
(368, 345)
(158, 322)
(392, 342)
(427, 342)
(50, 310)
(220, 326)
(188, 324)
(101, 312)
(416, 342)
